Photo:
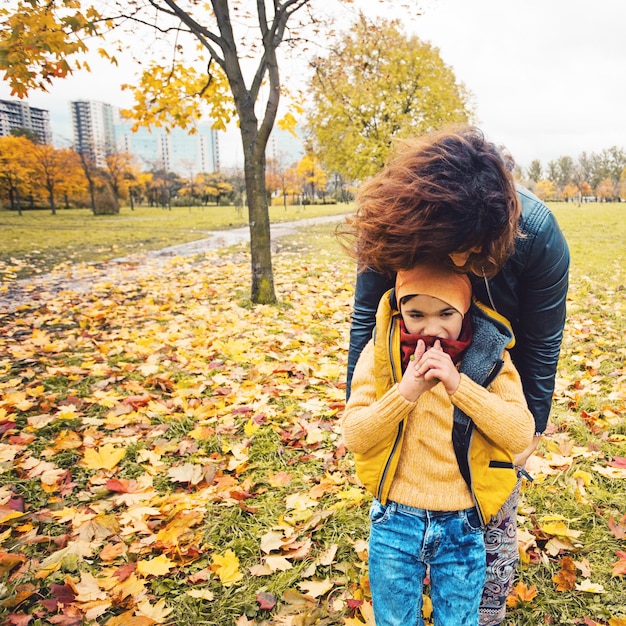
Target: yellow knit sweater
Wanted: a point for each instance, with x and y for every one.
(428, 475)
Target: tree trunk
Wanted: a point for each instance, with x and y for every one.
(262, 289)
(52, 203)
(92, 193)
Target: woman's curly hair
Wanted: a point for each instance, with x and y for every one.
(450, 191)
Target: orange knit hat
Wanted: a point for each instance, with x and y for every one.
(437, 281)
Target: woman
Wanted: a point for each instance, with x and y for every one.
(450, 198)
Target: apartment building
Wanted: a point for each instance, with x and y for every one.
(93, 127)
(16, 114)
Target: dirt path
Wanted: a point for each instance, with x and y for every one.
(34, 291)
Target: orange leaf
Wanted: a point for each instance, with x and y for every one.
(521, 593)
(618, 529)
(619, 569)
(566, 577)
(128, 619)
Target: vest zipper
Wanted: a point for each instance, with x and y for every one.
(394, 378)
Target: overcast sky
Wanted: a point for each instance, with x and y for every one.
(548, 76)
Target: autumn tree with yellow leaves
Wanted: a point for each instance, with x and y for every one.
(378, 85)
(235, 47)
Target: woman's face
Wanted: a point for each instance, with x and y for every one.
(460, 258)
(426, 315)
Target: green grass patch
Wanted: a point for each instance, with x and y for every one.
(38, 241)
(225, 418)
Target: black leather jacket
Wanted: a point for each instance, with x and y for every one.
(530, 291)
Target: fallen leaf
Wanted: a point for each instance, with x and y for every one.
(105, 457)
(316, 588)
(589, 587)
(226, 566)
(157, 566)
(265, 600)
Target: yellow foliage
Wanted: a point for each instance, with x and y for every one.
(106, 457)
(158, 566)
(226, 566)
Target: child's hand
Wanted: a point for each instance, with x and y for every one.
(413, 384)
(436, 365)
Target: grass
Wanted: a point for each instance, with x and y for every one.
(215, 356)
(38, 241)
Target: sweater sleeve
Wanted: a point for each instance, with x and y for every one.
(500, 412)
(366, 420)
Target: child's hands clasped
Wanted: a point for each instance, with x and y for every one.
(426, 369)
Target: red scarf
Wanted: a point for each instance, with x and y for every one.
(454, 348)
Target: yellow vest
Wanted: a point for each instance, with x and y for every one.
(487, 468)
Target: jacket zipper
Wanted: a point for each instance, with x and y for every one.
(394, 378)
(493, 373)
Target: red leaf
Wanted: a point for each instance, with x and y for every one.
(124, 571)
(618, 461)
(6, 425)
(19, 619)
(267, 601)
(137, 401)
(16, 503)
(122, 485)
(354, 604)
(61, 595)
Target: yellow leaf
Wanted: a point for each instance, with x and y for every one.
(157, 612)
(427, 607)
(188, 473)
(299, 502)
(67, 413)
(316, 588)
(583, 476)
(559, 529)
(250, 428)
(130, 588)
(277, 563)
(226, 566)
(271, 541)
(106, 457)
(367, 612)
(610, 472)
(158, 566)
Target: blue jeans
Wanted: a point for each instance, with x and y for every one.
(404, 541)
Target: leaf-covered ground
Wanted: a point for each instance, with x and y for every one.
(171, 455)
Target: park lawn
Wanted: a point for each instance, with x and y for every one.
(37, 241)
(177, 455)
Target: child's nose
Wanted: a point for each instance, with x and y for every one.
(432, 328)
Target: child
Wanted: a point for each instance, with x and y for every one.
(435, 415)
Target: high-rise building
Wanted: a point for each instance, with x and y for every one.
(287, 149)
(15, 114)
(93, 125)
(174, 151)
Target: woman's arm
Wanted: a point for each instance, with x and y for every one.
(369, 288)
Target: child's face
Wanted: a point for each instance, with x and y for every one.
(426, 315)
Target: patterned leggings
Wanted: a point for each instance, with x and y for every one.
(502, 558)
